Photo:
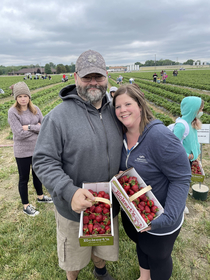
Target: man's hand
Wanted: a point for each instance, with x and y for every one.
(79, 200)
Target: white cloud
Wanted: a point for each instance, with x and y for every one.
(123, 31)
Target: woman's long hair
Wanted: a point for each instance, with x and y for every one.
(135, 93)
(31, 107)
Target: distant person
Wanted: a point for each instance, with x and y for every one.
(120, 79)
(158, 80)
(11, 87)
(161, 73)
(155, 77)
(131, 80)
(25, 121)
(164, 77)
(191, 110)
(112, 92)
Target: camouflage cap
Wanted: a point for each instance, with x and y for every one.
(90, 62)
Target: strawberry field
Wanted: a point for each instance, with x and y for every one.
(28, 245)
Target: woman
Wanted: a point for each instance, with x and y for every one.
(191, 110)
(159, 158)
(25, 121)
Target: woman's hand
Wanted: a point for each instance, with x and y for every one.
(25, 127)
(146, 229)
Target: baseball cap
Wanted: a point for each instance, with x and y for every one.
(90, 62)
(113, 89)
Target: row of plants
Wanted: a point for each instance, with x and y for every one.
(6, 82)
(163, 117)
(167, 99)
(189, 78)
(40, 99)
(171, 96)
(178, 90)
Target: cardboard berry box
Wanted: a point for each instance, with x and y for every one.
(127, 204)
(197, 177)
(97, 239)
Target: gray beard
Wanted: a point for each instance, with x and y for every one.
(89, 95)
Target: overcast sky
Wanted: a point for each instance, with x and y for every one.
(124, 32)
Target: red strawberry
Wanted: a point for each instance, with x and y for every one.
(91, 191)
(126, 187)
(101, 205)
(94, 194)
(132, 180)
(131, 192)
(107, 229)
(106, 205)
(102, 231)
(142, 203)
(102, 193)
(106, 196)
(92, 216)
(140, 207)
(147, 209)
(154, 209)
(135, 188)
(143, 197)
(105, 210)
(98, 209)
(150, 203)
(90, 227)
(99, 218)
(150, 217)
(92, 209)
(123, 179)
(85, 228)
(85, 220)
(96, 228)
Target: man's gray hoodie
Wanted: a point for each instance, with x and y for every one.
(77, 143)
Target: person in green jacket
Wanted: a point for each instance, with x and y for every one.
(191, 110)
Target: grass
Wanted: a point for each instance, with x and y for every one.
(28, 248)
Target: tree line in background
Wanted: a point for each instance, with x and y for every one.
(60, 68)
(163, 62)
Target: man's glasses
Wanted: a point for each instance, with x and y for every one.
(112, 92)
(98, 78)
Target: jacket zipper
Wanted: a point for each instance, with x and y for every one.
(128, 154)
(106, 145)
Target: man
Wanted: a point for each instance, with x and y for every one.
(155, 77)
(80, 141)
(131, 80)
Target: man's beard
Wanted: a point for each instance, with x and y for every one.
(92, 96)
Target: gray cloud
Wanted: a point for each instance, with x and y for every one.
(122, 31)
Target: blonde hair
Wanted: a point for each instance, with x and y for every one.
(31, 107)
(135, 93)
